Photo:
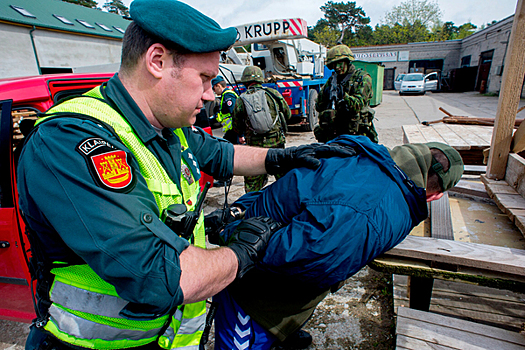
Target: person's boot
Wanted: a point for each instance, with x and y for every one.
(297, 340)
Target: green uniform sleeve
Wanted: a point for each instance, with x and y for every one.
(360, 95)
(238, 117)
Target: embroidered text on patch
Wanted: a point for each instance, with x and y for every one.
(112, 169)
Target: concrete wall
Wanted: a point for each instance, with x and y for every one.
(54, 49)
(17, 58)
(495, 38)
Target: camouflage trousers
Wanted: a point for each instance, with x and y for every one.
(330, 126)
(255, 183)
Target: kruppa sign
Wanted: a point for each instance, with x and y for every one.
(272, 30)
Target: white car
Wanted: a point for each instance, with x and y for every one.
(418, 83)
(397, 82)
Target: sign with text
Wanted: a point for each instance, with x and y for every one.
(377, 56)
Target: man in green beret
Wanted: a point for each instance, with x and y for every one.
(108, 185)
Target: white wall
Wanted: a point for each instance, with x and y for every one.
(17, 58)
(68, 50)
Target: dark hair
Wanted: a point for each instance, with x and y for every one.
(137, 41)
(433, 181)
(222, 83)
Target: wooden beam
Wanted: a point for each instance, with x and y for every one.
(509, 96)
(482, 256)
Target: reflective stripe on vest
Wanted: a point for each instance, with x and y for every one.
(225, 118)
(85, 309)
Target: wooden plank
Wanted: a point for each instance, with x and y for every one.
(481, 256)
(483, 132)
(430, 134)
(470, 188)
(440, 219)
(469, 136)
(518, 140)
(412, 134)
(404, 342)
(509, 97)
(516, 172)
(475, 169)
(444, 330)
(490, 306)
(451, 138)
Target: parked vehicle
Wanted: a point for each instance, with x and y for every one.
(418, 83)
(23, 98)
(397, 82)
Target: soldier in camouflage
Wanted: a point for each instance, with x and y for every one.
(344, 101)
(252, 78)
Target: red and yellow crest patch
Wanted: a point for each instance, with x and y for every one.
(112, 169)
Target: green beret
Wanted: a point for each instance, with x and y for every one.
(181, 24)
(216, 80)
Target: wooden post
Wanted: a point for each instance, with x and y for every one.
(509, 97)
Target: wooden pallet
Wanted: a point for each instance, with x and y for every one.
(421, 330)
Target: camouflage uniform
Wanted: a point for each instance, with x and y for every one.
(274, 138)
(344, 103)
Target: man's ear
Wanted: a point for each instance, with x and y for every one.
(156, 59)
(434, 196)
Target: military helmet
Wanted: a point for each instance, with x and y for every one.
(339, 53)
(252, 74)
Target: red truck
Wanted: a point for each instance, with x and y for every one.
(22, 98)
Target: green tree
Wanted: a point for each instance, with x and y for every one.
(327, 36)
(426, 12)
(92, 4)
(400, 34)
(345, 17)
(465, 30)
(116, 6)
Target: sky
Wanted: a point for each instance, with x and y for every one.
(237, 12)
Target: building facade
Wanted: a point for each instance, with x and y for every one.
(474, 63)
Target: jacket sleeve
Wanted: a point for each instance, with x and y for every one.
(358, 98)
(117, 232)
(239, 117)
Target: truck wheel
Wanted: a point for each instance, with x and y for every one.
(312, 113)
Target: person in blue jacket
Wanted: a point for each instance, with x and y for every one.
(336, 219)
(108, 184)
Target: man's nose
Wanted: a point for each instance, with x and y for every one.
(208, 95)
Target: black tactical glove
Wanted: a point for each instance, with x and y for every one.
(215, 221)
(249, 241)
(280, 161)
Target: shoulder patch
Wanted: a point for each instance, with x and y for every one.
(229, 103)
(107, 164)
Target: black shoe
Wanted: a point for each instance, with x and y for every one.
(219, 183)
(297, 340)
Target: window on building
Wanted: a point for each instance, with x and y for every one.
(118, 29)
(64, 20)
(465, 61)
(22, 11)
(85, 24)
(103, 26)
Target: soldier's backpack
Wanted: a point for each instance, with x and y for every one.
(259, 115)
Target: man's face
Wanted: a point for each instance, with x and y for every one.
(217, 89)
(341, 67)
(184, 88)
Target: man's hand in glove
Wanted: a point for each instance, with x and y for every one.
(280, 161)
(215, 221)
(249, 241)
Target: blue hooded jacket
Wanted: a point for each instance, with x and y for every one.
(339, 217)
